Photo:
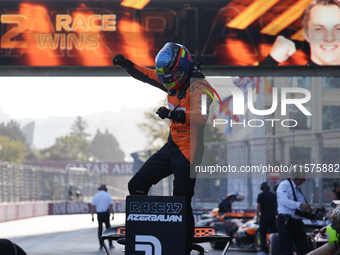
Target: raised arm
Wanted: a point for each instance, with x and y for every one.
(138, 72)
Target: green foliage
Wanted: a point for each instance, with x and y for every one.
(11, 150)
(156, 129)
(71, 147)
(79, 126)
(75, 146)
(105, 146)
(12, 131)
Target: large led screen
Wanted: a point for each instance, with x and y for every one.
(220, 33)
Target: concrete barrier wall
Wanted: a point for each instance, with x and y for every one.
(78, 208)
(23, 210)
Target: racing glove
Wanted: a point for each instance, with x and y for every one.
(178, 116)
(120, 60)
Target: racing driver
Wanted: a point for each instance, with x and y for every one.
(174, 74)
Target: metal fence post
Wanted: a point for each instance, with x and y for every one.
(8, 190)
(282, 149)
(249, 179)
(2, 183)
(66, 184)
(320, 155)
(223, 182)
(14, 183)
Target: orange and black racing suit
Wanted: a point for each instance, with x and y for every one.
(225, 204)
(185, 142)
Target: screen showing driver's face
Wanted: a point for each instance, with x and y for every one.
(323, 34)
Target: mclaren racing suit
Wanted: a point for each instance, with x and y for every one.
(185, 142)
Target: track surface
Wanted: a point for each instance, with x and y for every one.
(68, 234)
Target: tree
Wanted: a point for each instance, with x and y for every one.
(105, 146)
(11, 150)
(71, 147)
(12, 131)
(156, 129)
(79, 126)
(74, 146)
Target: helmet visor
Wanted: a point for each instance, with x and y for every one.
(171, 80)
(166, 79)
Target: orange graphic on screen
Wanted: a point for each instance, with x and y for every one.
(138, 4)
(286, 18)
(251, 13)
(37, 22)
(86, 42)
(134, 43)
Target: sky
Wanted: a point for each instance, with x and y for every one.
(41, 97)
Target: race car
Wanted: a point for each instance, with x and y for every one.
(226, 223)
(248, 236)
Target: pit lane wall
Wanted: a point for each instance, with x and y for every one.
(23, 210)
